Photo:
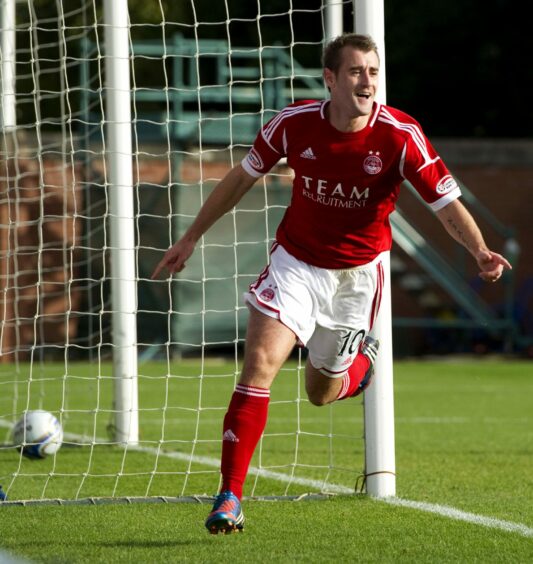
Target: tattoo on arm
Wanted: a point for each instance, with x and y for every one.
(458, 232)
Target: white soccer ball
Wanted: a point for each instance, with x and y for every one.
(38, 433)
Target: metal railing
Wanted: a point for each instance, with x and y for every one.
(239, 90)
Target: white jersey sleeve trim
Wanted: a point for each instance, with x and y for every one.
(323, 105)
(269, 130)
(402, 159)
(445, 200)
(376, 114)
(267, 141)
(250, 170)
(412, 130)
(427, 163)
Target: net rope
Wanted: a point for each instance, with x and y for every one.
(197, 102)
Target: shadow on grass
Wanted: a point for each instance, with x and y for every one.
(145, 544)
(155, 543)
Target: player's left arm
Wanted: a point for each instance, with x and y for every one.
(461, 226)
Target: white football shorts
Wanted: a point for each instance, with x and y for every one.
(330, 311)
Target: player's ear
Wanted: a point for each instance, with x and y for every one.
(329, 77)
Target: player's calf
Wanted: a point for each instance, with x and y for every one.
(359, 375)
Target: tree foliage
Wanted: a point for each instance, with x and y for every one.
(458, 67)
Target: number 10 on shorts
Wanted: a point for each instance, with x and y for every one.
(351, 342)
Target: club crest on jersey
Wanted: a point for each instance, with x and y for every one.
(446, 184)
(373, 164)
(255, 160)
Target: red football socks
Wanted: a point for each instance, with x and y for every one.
(244, 424)
(352, 378)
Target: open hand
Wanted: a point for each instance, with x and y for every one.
(492, 265)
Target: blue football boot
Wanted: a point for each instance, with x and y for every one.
(226, 515)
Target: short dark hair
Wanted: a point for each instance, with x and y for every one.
(331, 57)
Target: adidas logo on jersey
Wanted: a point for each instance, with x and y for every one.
(230, 436)
(308, 154)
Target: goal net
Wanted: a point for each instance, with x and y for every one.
(140, 372)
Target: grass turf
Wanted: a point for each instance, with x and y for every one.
(463, 438)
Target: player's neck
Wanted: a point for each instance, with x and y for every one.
(345, 122)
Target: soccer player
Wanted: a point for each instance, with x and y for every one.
(322, 286)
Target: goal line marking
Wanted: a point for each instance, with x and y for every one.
(442, 510)
(458, 515)
(254, 471)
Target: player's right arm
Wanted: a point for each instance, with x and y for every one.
(268, 148)
(226, 194)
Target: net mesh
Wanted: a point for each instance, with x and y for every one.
(204, 78)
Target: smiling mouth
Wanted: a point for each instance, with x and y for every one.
(363, 95)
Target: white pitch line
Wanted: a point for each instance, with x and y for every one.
(458, 515)
(319, 485)
(261, 472)
(442, 510)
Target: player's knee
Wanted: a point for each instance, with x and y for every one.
(318, 386)
(318, 401)
(259, 369)
(316, 396)
(258, 360)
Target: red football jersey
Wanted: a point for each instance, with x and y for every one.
(346, 183)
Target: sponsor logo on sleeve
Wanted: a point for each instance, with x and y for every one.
(446, 184)
(255, 160)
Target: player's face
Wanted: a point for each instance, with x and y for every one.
(353, 88)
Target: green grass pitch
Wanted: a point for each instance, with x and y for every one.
(464, 439)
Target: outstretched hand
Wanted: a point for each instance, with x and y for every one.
(491, 265)
(175, 257)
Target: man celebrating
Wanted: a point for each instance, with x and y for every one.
(322, 286)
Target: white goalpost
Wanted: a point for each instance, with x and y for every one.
(380, 460)
(119, 149)
(116, 123)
